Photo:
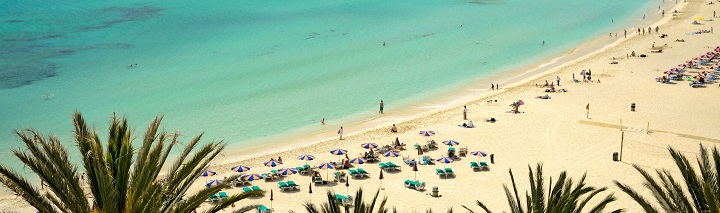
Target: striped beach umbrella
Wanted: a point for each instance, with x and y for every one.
(208, 173)
(358, 161)
(338, 151)
(306, 157)
(213, 183)
(328, 167)
(427, 133)
(451, 142)
(479, 153)
(287, 171)
(240, 168)
(252, 178)
(391, 154)
(369, 145)
(445, 160)
(272, 163)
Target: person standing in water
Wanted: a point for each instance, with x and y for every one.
(340, 132)
(322, 121)
(382, 105)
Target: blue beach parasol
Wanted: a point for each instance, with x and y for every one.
(272, 163)
(213, 183)
(427, 133)
(445, 160)
(451, 142)
(369, 145)
(240, 168)
(252, 177)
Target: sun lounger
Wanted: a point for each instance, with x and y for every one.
(292, 183)
(484, 166)
(415, 184)
(263, 209)
(363, 172)
(474, 165)
(283, 186)
(354, 173)
(222, 195)
(214, 198)
(238, 182)
(463, 152)
(449, 171)
(339, 176)
(440, 172)
(247, 189)
(318, 179)
(256, 188)
(384, 166)
(345, 200)
(392, 165)
(423, 160)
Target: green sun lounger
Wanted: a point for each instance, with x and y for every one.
(440, 172)
(292, 183)
(223, 195)
(474, 165)
(214, 198)
(283, 186)
(354, 173)
(345, 200)
(449, 171)
(417, 185)
(263, 209)
(363, 172)
(247, 189)
(484, 165)
(256, 188)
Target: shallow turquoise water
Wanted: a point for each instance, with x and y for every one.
(240, 70)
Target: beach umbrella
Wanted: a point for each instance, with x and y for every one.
(271, 198)
(358, 161)
(381, 178)
(420, 152)
(306, 158)
(391, 154)
(415, 170)
(213, 183)
(310, 191)
(288, 171)
(445, 160)
(326, 166)
(451, 142)
(347, 185)
(272, 163)
(479, 153)
(208, 173)
(240, 168)
(427, 133)
(369, 145)
(252, 177)
(338, 152)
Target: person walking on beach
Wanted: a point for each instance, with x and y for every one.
(625, 33)
(464, 112)
(340, 132)
(558, 80)
(492, 86)
(382, 105)
(497, 86)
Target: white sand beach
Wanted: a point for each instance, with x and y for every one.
(554, 132)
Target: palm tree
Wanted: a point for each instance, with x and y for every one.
(563, 197)
(699, 194)
(120, 178)
(359, 206)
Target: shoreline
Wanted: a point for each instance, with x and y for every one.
(374, 129)
(452, 97)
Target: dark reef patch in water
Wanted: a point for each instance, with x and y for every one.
(13, 21)
(122, 15)
(17, 75)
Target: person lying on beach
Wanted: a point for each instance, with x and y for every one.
(656, 51)
(614, 62)
(546, 96)
(491, 120)
(564, 90)
(680, 40)
(468, 125)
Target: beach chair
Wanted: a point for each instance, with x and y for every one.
(354, 173)
(292, 184)
(238, 182)
(440, 172)
(414, 185)
(222, 195)
(318, 179)
(256, 188)
(247, 189)
(339, 176)
(363, 172)
(484, 166)
(384, 166)
(449, 171)
(214, 198)
(345, 200)
(463, 152)
(263, 209)
(283, 186)
(391, 165)
(301, 170)
(474, 165)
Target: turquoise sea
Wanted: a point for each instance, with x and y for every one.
(241, 70)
